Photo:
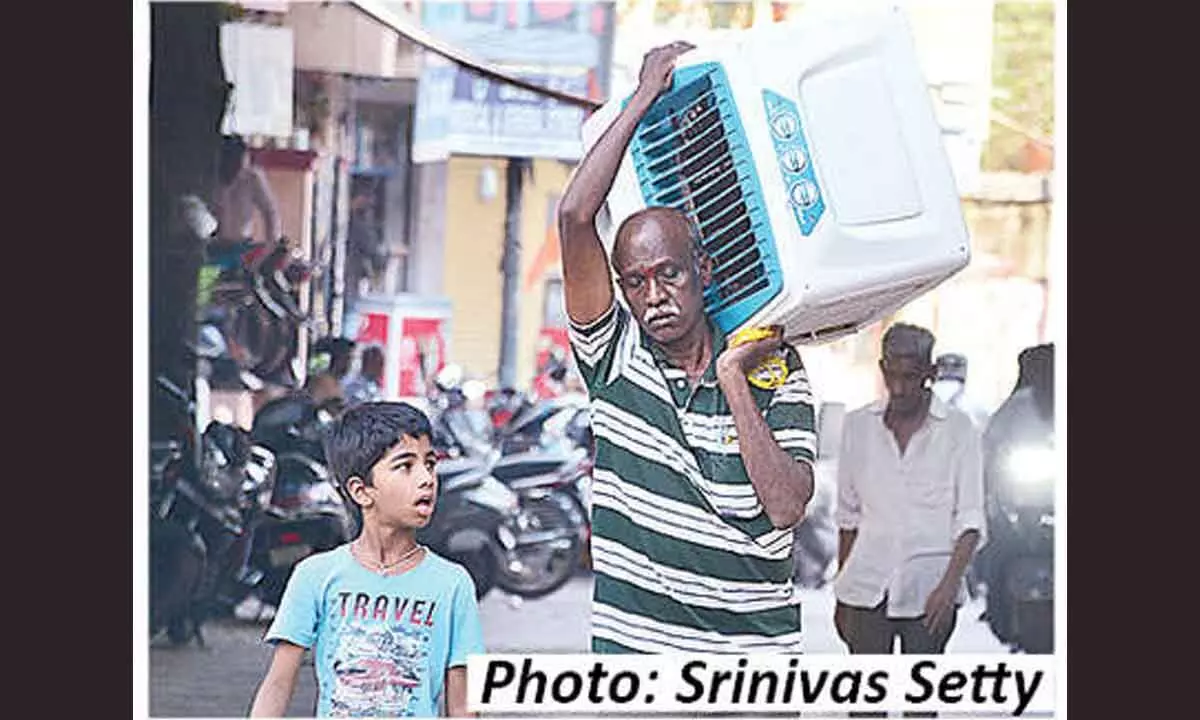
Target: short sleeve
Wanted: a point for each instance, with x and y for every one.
(299, 611)
(595, 344)
(466, 631)
(968, 485)
(790, 414)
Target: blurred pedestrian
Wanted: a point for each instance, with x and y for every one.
(324, 389)
(910, 508)
(367, 384)
(334, 355)
(242, 189)
(951, 387)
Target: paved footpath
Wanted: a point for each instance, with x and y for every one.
(220, 680)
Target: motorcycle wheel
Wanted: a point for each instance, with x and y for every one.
(177, 568)
(1034, 630)
(535, 572)
(481, 566)
(270, 592)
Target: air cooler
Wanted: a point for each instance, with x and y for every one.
(809, 156)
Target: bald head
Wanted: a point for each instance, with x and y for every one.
(657, 224)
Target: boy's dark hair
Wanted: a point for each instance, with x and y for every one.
(364, 433)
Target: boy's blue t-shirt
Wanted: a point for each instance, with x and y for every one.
(382, 643)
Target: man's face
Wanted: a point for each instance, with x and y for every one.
(660, 280)
(905, 377)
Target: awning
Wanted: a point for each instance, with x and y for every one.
(412, 30)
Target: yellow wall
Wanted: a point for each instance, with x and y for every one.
(474, 240)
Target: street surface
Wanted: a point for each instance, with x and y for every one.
(220, 679)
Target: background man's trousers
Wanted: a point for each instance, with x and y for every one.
(869, 631)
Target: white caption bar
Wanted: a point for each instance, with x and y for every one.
(1007, 685)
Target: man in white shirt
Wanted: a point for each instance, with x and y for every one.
(910, 508)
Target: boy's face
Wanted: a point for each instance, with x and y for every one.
(403, 491)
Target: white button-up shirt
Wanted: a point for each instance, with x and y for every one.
(909, 510)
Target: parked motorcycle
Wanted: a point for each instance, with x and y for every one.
(258, 312)
(564, 420)
(537, 458)
(306, 514)
(474, 521)
(208, 491)
(177, 554)
(554, 524)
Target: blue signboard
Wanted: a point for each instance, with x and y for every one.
(558, 45)
(462, 112)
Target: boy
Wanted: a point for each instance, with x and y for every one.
(390, 623)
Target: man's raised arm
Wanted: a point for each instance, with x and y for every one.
(586, 279)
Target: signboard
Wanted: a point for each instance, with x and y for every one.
(563, 34)
(258, 61)
(558, 45)
(413, 332)
(422, 355)
(462, 112)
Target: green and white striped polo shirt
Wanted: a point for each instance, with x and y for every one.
(684, 556)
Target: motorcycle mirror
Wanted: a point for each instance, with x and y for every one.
(211, 344)
(196, 216)
(449, 377)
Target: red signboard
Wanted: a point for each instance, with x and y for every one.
(422, 355)
(373, 330)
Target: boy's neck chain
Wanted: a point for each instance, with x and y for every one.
(382, 567)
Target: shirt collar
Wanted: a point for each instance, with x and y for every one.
(938, 410)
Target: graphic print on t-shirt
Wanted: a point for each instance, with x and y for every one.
(380, 659)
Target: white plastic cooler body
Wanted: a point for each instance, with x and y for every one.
(844, 203)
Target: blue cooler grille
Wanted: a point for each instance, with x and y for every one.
(690, 153)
